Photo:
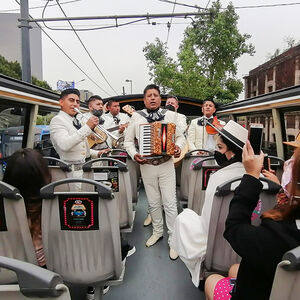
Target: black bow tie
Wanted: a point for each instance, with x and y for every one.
(76, 123)
(203, 120)
(116, 120)
(154, 115)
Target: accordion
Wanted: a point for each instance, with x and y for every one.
(157, 139)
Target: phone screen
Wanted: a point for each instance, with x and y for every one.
(255, 138)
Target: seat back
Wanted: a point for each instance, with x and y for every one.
(33, 282)
(133, 169)
(59, 170)
(286, 284)
(116, 175)
(198, 182)
(80, 232)
(219, 254)
(186, 172)
(15, 237)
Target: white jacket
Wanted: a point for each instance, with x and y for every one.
(132, 131)
(190, 232)
(70, 143)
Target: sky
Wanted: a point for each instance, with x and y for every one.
(118, 52)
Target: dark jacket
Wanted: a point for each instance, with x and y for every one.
(261, 247)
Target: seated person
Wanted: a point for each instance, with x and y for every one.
(261, 247)
(190, 230)
(28, 171)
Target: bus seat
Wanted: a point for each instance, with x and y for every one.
(133, 168)
(81, 234)
(276, 164)
(58, 170)
(198, 182)
(15, 237)
(115, 174)
(286, 284)
(186, 172)
(33, 282)
(219, 254)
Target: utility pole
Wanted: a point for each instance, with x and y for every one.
(26, 64)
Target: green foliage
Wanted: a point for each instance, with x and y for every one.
(206, 63)
(44, 120)
(13, 69)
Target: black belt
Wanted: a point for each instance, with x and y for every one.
(157, 161)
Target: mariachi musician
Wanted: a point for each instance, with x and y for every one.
(115, 119)
(200, 135)
(95, 105)
(69, 137)
(158, 174)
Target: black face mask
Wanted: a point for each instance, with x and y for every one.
(220, 158)
(97, 113)
(170, 107)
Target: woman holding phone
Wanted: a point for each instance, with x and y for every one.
(261, 247)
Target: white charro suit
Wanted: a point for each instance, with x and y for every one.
(159, 181)
(70, 143)
(109, 123)
(181, 119)
(197, 137)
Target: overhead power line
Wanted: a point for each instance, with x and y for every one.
(86, 50)
(37, 7)
(235, 7)
(68, 56)
(170, 23)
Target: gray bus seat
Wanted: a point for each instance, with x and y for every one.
(59, 170)
(276, 164)
(198, 182)
(81, 234)
(186, 172)
(116, 174)
(219, 254)
(286, 284)
(33, 282)
(15, 237)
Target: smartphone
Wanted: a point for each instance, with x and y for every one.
(255, 135)
(266, 163)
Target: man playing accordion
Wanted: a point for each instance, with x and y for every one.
(158, 172)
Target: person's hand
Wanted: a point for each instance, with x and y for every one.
(177, 151)
(103, 152)
(92, 122)
(122, 128)
(252, 163)
(139, 159)
(270, 175)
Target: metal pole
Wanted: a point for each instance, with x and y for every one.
(123, 90)
(146, 16)
(26, 65)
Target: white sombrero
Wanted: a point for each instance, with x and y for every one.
(235, 133)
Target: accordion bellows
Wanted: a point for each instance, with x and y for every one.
(157, 139)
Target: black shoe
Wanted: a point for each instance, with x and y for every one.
(127, 250)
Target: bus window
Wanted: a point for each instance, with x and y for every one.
(292, 127)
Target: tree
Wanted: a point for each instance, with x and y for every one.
(13, 69)
(206, 64)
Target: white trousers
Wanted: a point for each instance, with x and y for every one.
(160, 187)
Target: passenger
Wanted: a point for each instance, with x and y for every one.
(287, 174)
(261, 247)
(69, 137)
(197, 137)
(158, 174)
(115, 118)
(95, 105)
(28, 171)
(191, 230)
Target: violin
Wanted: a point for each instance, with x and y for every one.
(215, 124)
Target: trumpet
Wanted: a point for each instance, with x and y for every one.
(102, 135)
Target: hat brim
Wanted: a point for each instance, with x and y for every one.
(293, 144)
(228, 136)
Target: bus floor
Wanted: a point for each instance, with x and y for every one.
(150, 274)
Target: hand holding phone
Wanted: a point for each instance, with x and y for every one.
(255, 135)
